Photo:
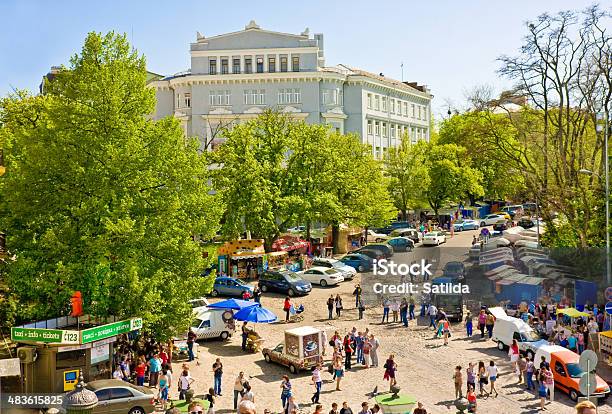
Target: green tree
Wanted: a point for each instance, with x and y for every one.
(451, 177)
(408, 174)
(101, 199)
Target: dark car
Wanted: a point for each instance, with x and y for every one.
(526, 223)
(500, 225)
(454, 270)
(383, 247)
(384, 230)
(116, 396)
(284, 281)
(401, 244)
(412, 234)
(373, 254)
(358, 261)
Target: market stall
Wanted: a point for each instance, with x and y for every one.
(296, 249)
(247, 259)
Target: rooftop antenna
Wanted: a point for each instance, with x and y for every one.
(402, 66)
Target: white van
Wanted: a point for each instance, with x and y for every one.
(213, 323)
(507, 328)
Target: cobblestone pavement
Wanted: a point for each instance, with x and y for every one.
(425, 366)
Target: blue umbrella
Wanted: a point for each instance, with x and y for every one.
(235, 304)
(255, 314)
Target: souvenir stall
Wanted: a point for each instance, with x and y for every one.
(297, 251)
(246, 259)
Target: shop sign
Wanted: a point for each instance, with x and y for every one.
(111, 329)
(48, 336)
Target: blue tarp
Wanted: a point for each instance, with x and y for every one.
(519, 292)
(585, 293)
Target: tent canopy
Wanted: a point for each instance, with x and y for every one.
(235, 304)
(572, 312)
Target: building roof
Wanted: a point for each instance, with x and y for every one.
(408, 86)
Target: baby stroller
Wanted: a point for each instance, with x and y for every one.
(295, 314)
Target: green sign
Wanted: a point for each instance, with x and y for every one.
(111, 329)
(49, 336)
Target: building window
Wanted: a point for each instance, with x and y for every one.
(377, 128)
(259, 65)
(287, 96)
(271, 64)
(419, 111)
(392, 131)
(212, 67)
(226, 98)
(246, 97)
(425, 113)
(384, 129)
(369, 101)
(178, 100)
(254, 97)
(295, 63)
(369, 127)
(384, 103)
(187, 100)
(392, 109)
(405, 108)
(248, 65)
(377, 102)
(283, 64)
(219, 98)
(261, 97)
(413, 111)
(224, 67)
(236, 65)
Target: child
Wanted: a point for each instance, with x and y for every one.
(458, 381)
(472, 402)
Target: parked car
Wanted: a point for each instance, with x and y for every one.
(116, 396)
(359, 262)
(372, 236)
(501, 225)
(383, 230)
(401, 244)
(284, 281)
(228, 286)
(434, 238)
(526, 222)
(401, 225)
(373, 254)
(490, 219)
(198, 303)
(387, 249)
(322, 276)
(412, 234)
(454, 270)
(468, 224)
(348, 272)
(296, 229)
(530, 207)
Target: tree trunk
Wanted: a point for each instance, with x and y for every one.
(405, 215)
(268, 241)
(308, 225)
(335, 237)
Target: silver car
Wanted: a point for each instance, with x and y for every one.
(348, 272)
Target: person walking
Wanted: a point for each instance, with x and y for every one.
(395, 307)
(357, 293)
(529, 371)
(367, 347)
(330, 307)
(468, 324)
(184, 383)
(542, 391)
(191, 337)
(210, 397)
(359, 348)
(390, 368)
(338, 303)
(361, 308)
(374, 344)
(490, 323)
(580, 337)
(164, 386)
(217, 369)
(338, 372)
(155, 367)
(446, 332)
(471, 376)
(238, 388)
(317, 381)
(140, 371)
(482, 378)
(287, 308)
(514, 352)
(285, 391)
(245, 335)
(248, 394)
(348, 351)
(432, 312)
(411, 308)
(386, 307)
(482, 322)
(404, 311)
(257, 294)
(458, 378)
(549, 382)
(492, 371)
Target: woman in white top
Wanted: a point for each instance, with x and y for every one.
(248, 394)
(492, 371)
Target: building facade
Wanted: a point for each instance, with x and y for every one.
(235, 76)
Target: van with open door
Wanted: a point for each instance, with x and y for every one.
(508, 328)
(213, 323)
(567, 372)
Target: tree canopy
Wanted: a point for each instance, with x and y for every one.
(99, 198)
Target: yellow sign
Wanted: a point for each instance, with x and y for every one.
(70, 379)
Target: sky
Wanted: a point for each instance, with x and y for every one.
(449, 45)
